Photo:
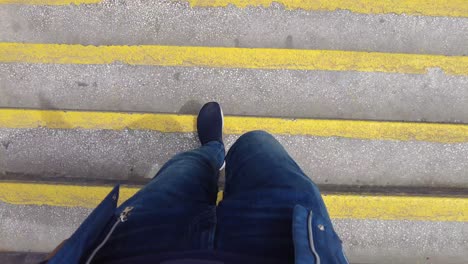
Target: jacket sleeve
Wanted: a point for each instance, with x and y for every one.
(88, 233)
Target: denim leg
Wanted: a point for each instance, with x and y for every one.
(175, 211)
(263, 184)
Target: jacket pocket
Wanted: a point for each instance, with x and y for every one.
(327, 243)
(315, 240)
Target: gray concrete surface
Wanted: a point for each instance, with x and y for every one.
(432, 97)
(376, 241)
(136, 155)
(21, 257)
(365, 241)
(174, 23)
(37, 228)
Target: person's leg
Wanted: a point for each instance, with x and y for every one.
(263, 184)
(176, 211)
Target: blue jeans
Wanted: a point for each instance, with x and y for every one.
(177, 210)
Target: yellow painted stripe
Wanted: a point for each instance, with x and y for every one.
(452, 8)
(218, 57)
(236, 125)
(340, 206)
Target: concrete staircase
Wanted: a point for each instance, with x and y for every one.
(370, 98)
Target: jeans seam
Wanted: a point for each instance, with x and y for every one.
(194, 225)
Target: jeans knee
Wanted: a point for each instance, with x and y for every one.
(257, 138)
(256, 135)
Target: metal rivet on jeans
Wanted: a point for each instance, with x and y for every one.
(321, 227)
(114, 197)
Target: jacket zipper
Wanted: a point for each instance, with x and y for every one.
(122, 218)
(311, 238)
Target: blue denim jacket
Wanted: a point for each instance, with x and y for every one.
(78, 246)
(315, 241)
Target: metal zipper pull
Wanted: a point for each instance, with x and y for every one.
(124, 215)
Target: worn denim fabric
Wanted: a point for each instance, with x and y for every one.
(176, 211)
(265, 190)
(270, 208)
(75, 249)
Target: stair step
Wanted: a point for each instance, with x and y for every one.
(154, 22)
(133, 146)
(355, 85)
(430, 97)
(456, 8)
(235, 125)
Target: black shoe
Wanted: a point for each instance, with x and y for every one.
(210, 123)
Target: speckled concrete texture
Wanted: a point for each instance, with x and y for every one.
(376, 241)
(41, 228)
(21, 257)
(69, 155)
(37, 228)
(432, 97)
(174, 23)
(136, 155)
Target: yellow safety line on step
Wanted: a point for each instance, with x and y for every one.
(373, 130)
(456, 8)
(340, 206)
(218, 57)
(453, 8)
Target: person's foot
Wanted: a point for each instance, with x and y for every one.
(210, 123)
